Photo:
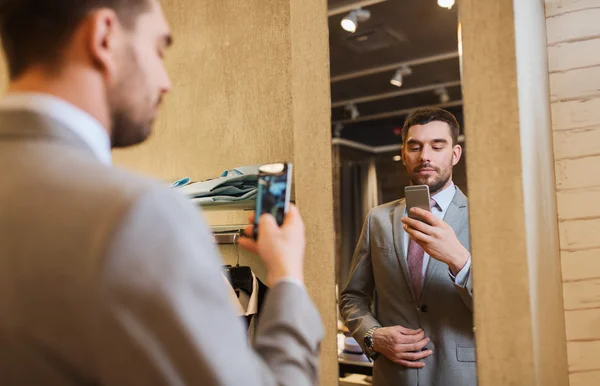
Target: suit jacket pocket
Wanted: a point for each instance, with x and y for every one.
(465, 354)
(386, 250)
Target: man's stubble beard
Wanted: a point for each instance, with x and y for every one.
(438, 183)
(129, 127)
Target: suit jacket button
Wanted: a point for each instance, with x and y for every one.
(424, 308)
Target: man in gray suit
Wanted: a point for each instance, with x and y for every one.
(107, 277)
(409, 298)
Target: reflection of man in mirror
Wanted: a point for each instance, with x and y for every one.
(409, 298)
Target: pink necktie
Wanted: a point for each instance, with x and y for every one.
(415, 262)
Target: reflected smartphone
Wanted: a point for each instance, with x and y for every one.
(417, 196)
(274, 189)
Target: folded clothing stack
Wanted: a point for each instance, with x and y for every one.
(351, 350)
(232, 185)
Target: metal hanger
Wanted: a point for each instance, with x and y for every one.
(236, 237)
(241, 277)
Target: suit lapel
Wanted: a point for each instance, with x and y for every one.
(398, 234)
(455, 216)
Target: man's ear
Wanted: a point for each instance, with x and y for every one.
(456, 154)
(103, 40)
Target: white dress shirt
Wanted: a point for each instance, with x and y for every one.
(80, 122)
(443, 200)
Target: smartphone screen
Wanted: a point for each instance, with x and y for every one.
(417, 196)
(273, 196)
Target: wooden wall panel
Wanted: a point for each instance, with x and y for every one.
(577, 173)
(582, 294)
(582, 325)
(584, 379)
(576, 114)
(520, 322)
(576, 235)
(578, 54)
(311, 117)
(577, 143)
(574, 84)
(231, 101)
(580, 265)
(583, 357)
(576, 24)
(573, 35)
(560, 7)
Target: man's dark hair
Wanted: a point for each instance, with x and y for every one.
(34, 32)
(425, 116)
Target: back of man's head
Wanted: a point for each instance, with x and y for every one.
(35, 32)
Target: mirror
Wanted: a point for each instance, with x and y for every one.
(404, 295)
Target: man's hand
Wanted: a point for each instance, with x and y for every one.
(437, 239)
(281, 249)
(401, 345)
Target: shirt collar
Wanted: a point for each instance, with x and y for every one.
(80, 122)
(445, 197)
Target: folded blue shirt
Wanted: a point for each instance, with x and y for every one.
(232, 185)
(215, 199)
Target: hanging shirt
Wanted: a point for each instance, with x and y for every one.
(244, 304)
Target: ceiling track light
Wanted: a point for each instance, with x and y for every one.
(398, 78)
(446, 3)
(442, 93)
(351, 20)
(353, 110)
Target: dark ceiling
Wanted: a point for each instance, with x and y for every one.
(397, 31)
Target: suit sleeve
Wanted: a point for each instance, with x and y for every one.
(464, 286)
(165, 317)
(357, 297)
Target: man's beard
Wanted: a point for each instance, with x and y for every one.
(437, 183)
(128, 131)
(129, 106)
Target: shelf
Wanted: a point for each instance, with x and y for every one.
(225, 238)
(227, 228)
(354, 363)
(247, 205)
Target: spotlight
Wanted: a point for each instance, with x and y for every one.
(442, 93)
(397, 158)
(353, 110)
(446, 3)
(398, 77)
(350, 22)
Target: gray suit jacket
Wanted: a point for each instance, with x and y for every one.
(379, 277)
(110, 278)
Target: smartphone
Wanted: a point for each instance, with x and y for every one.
(417, 196)
(274, 189)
